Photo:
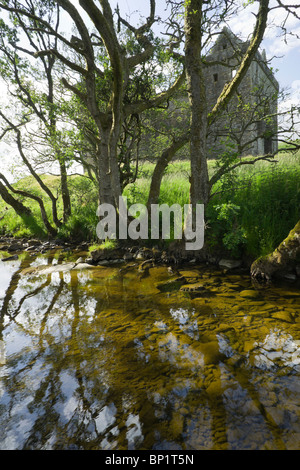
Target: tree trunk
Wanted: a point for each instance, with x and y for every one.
(64, 190)
(18, 207)
(51, 231)
(38, 178)
(160, 167)
(199, 188)
(283, 260)
(114, 169)
(200, 119)
(106, 193)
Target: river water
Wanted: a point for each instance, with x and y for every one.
(122, 360)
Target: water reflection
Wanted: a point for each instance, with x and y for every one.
(98, 359)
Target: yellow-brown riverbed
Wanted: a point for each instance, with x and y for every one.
(102, 359)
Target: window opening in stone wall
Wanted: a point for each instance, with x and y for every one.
(268, 145)
(215, 77)
(268, 141)
(224, 46)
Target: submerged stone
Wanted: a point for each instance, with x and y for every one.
(197, 287)
(172, 285)
(224, 327)
(284, 316)
(250, 294)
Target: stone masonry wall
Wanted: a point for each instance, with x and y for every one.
(246, 126)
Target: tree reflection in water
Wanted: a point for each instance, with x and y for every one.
(102, 360)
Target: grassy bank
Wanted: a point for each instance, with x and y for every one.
(262, 208)
(250, 213)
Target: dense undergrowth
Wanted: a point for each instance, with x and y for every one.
(250, 213)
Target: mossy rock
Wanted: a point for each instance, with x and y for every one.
(281, 261)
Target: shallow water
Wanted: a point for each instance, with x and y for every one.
(103, 359)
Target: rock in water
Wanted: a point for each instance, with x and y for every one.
(249, 294)
(192, 288)
(230, 263)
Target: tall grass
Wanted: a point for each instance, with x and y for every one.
(268, 198)
(250, 216)
(174, 186)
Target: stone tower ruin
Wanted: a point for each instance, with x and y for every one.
(249, 124)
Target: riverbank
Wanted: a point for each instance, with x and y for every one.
(247, 217)
(130, 255)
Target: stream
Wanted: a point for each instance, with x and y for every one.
(111, 359)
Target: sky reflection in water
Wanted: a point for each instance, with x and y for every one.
(96, 359)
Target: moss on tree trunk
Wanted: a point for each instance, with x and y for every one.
(283, 260)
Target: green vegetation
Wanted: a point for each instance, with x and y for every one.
(80, 225)
(250, 215)
(262, 206)
(106, 245)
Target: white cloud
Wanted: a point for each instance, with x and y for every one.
(296, 85)
(291, 101)
(293, 96)
(274, 42)
(242, 24)
(277, 44)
